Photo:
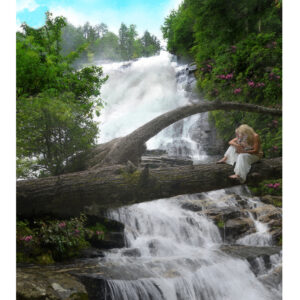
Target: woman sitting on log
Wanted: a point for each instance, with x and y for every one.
(244, 150)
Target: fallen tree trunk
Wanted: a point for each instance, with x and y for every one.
(94, 191)
(132, 146)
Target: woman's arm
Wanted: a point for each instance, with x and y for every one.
(234, 143)
(256, 144)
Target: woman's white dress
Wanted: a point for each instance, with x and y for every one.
(242, 162)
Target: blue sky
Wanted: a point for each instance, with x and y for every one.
(146, 14)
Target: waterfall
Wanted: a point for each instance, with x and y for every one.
(138, 91)
(173, 253)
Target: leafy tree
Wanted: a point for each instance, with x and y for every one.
(238, 51)
(55, 102)
(150, 44)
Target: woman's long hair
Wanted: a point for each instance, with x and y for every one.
(246, 130)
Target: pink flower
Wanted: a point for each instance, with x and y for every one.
(202, 69)
(76, 231)
(99, 232)
(251, 83)
(270, 185)
(237, 91)
(278, 77)
(233, 47)
(209, 66)
(27, 238)
(62, 224)
(229, 76)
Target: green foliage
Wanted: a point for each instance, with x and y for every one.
(55, 102)
(221, 224)
(268, 187)
(237, 46)
(46, 241)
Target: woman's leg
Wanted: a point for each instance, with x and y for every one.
(230, 156)
(243, 165)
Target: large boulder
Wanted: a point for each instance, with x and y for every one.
(44, 284)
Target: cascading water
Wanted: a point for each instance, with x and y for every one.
(174, 253)
(141, 90)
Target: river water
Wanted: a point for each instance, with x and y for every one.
(171, 252)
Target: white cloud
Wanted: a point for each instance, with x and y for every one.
(111, 18)
(173, 4)
(31, 5)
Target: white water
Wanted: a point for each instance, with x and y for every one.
(261, 237)
(177, 254)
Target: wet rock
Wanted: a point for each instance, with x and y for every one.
(111, 240)
(96, 286)
(153, 247)
(272, 280)
(224, 213)
(192, 68)
(272, 216)
(237, 228)
(273, 200)
(251, 254)
(91, 253)
(192, 206)
(134, 252)
(41, 283)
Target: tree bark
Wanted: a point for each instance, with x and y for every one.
(94, 191)
(132, 146)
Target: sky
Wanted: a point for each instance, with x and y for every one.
(146, 14)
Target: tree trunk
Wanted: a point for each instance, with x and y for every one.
(94, 191)
(132, 146)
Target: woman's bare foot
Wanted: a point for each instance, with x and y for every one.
(222, 161)
(234, 176)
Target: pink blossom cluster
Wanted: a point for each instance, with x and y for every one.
(62, 224)
(273, 76)
(208, 68)
(227, 76)
(27, 238)
(99, 232)
(273, 186)
(273, 44)
(237, 91)
(233, 48)
(252, 84)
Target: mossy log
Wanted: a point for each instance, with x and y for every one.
(94, 191)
